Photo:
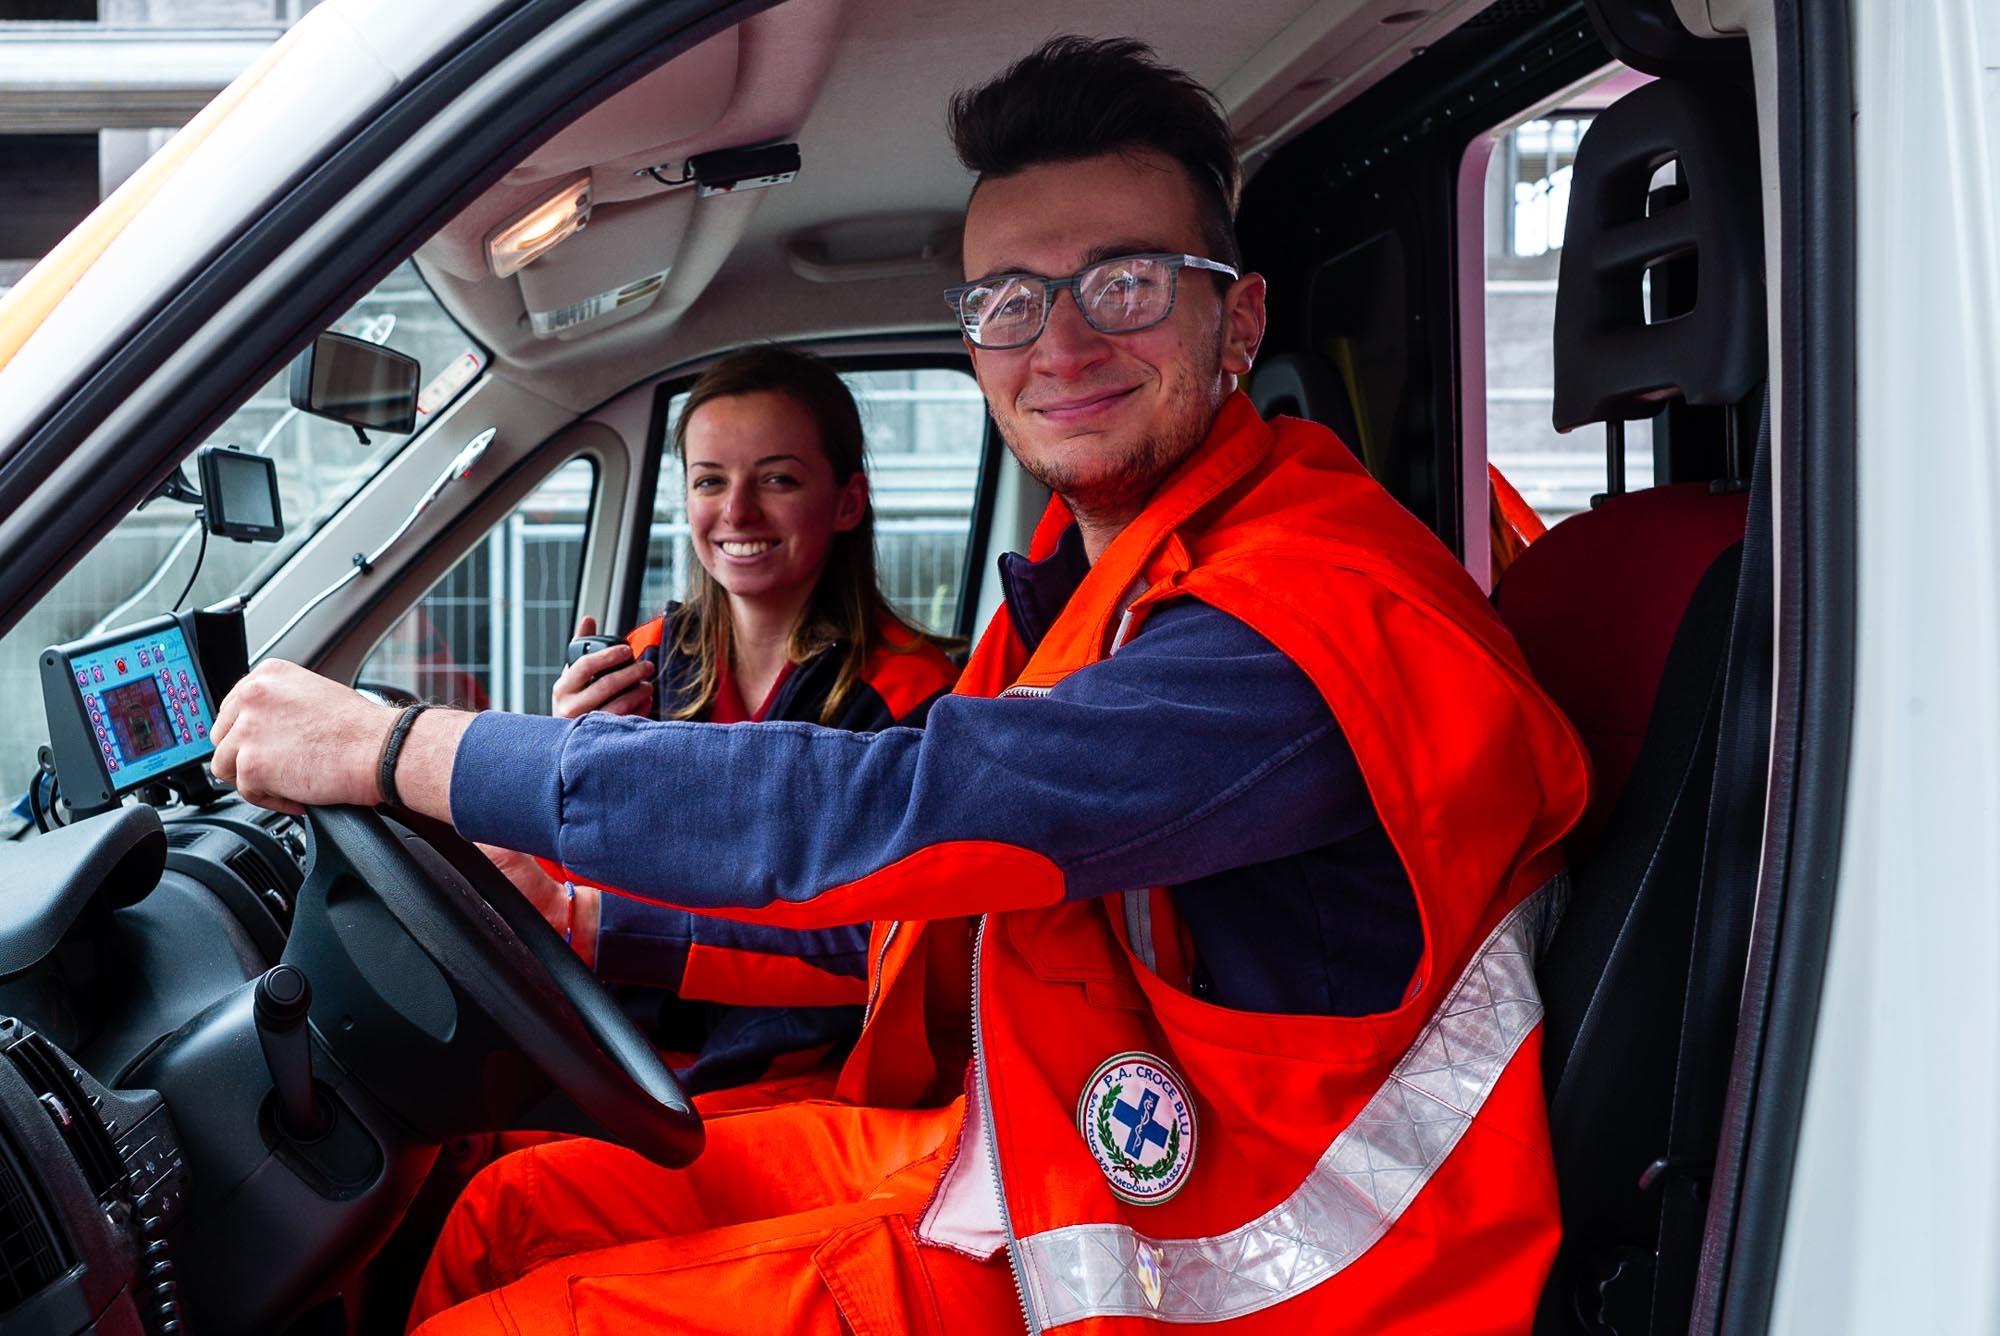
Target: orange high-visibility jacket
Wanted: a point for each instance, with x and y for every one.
(747, 964)
(1160, 1157)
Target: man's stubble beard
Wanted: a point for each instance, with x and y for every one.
(1120, 493)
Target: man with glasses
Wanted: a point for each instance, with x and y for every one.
(1200, 986)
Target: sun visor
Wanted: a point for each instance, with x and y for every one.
(576, 290)
(673, 103)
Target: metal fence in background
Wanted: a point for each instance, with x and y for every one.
(490, 634)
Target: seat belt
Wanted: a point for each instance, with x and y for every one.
(1724, 906)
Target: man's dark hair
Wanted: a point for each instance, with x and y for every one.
(1077, 98)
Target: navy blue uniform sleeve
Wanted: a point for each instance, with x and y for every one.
(1197, 748)
(644, 943)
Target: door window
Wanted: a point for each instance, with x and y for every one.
(157, 558)
(1527, 199)
(491, 633)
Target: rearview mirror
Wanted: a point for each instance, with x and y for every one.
(353, 381)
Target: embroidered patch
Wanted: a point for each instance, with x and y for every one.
(1138, 1119)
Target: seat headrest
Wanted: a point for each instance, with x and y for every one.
(1303, 384)
(1609, 362)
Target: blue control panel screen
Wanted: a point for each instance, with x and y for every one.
(144, 703)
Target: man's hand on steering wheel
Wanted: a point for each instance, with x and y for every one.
(288, 738)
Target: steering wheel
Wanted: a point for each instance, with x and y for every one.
(499, 953)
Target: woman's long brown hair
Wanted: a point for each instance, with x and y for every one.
(847, 609)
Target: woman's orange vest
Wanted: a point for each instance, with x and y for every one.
(1164, 1158)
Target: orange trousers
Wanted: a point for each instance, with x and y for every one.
(797, 1218)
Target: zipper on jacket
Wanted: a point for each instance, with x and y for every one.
(875, 974)
(1024, 691)
(983, 1091)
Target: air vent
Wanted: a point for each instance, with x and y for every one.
(287, 832)
(262, 879)
(29, 1256)
(254, 868)
(185, 837)
(48, 1073)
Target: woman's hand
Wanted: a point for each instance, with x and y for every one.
(544, 892)
(573, 916)
(625, 688)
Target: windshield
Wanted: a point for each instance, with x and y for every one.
(146, 563)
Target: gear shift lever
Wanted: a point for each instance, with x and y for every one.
(284, 996)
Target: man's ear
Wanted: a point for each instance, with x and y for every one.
(979, 376)
(851, 504)
(1242, 324)
(972, 355)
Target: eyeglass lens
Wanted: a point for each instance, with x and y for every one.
(1116, 296)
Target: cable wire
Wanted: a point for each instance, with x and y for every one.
(47, 816)
(199, 554)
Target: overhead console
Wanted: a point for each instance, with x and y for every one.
(654, 241)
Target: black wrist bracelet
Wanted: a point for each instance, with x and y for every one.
(392, 750)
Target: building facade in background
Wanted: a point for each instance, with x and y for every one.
(90, 88)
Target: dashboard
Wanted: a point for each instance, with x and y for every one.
(94, 1181)
(232, 1041)
(180, 1152)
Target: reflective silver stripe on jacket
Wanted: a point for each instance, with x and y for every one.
(1361, 1185)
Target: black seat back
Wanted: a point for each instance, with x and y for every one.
(1303, 384)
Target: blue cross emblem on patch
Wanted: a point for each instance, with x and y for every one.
(1145, 1128)
(1137, 1117)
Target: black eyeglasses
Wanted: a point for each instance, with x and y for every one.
(1116, 296)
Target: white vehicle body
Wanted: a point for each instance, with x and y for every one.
(1875, 1085)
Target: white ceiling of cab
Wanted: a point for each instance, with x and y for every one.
(862, 85)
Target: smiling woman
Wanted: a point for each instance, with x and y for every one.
(784, 621)
(784, 532)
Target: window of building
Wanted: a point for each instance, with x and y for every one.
(50, 11)
(491, 633)
(200, 13)
(50, 184)
(1540, 155)
(926, 431)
